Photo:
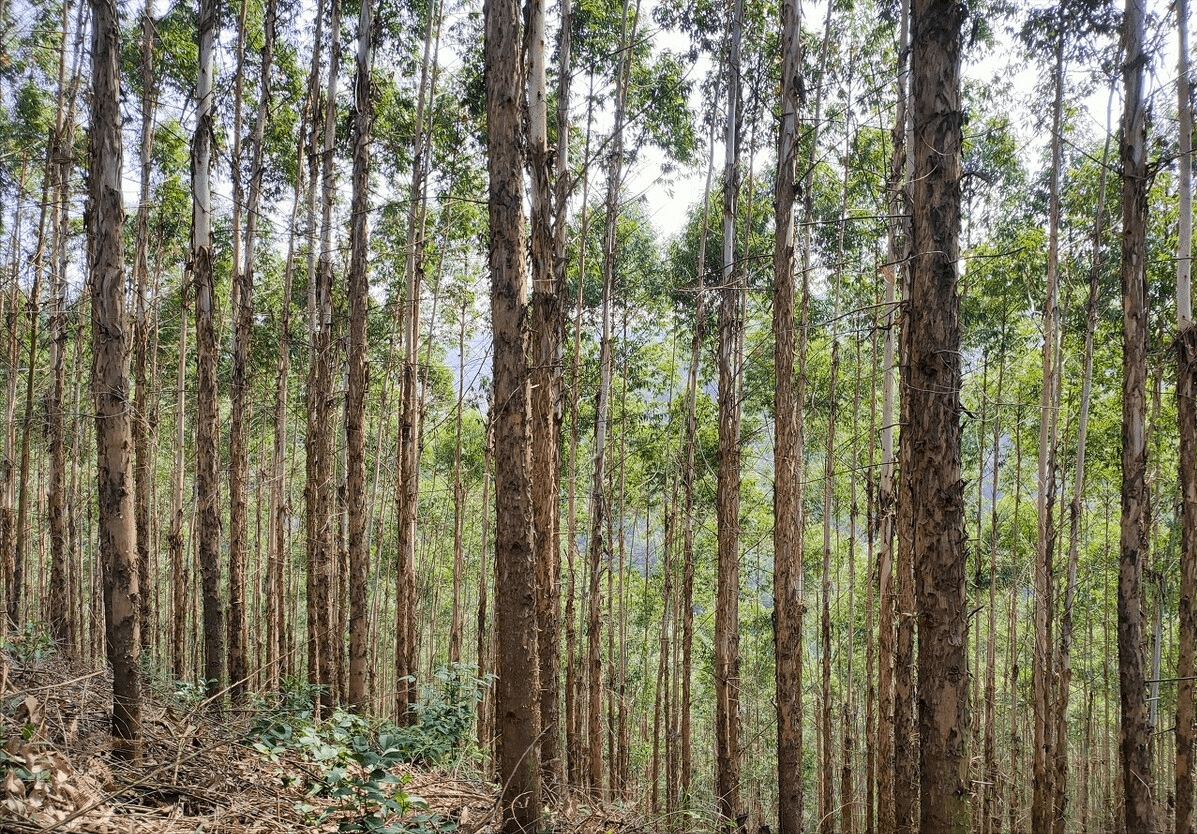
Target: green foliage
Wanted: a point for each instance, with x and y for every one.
(30, 644)
(355, 756)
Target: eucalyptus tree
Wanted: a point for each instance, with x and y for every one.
(58, 609)
(110, 381)
(931, 502)
(787, 486)
(355, 406)
(1186, 418)
(518, 688)
(318, 490)
(207, 407)
(1135, 730)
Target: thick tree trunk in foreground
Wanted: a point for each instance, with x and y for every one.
(110, 381)
(517, 692)
(932, 491)
(1134, 731)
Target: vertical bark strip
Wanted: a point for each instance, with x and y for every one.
(932, 490)
(518, 688)
(110, 381)
(1134, 731)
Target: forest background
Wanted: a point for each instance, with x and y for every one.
(312, 438)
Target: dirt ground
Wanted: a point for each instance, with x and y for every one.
(57, 771)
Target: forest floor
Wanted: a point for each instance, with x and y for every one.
(198, 773)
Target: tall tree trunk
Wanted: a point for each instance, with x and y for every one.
(575, 735)
(1043, 669)
(207, 438)
(599, 501)
(1186, 418)
(894, 800)
(518, 691)
(547, 326)
(1134, 733)
(932, 490)
(242, 319)
(58, 610)
(727, 488)
(110, 381)
(991, 816)
(359, 379)
(408, 473)
(319, 494)
(1075, 508)
(142, 427)
(787, 455)
(688, 521)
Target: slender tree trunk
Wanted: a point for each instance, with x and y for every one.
(688, 520)
(932, 489)
(788, 604)
(110, 382)
(599, 502)
(1134, 732)
(518, 691)
(547, 326)
(278, 659)
(727, 489)
(207, 408)
(1074, 513)
(895, 795)
(991, 816)
(1043, 670)
(142, 428)
(58, 610)
(408, 473)
(359, 379)
(319, 491)
(1186, 417)
(575, 735)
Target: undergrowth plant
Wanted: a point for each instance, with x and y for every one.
(355, 755)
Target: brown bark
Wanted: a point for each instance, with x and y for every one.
(518, 690)
(898, 792)
(59, 612)
(932, 490)
(1134, 732)
(788, 604)
(110, 381)
(207, 436)
(727, 487)
(359, 381)
(1043, 669)
(547, 326)
(408, 472)
(1074, 512)
(319, 491)
(143, 427)
(1186, 417)
(175, 543)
